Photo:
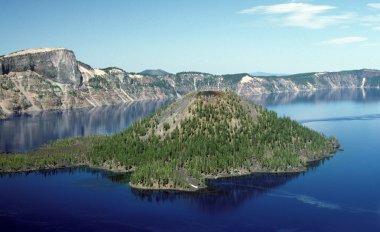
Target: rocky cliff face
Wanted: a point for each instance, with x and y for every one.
(57, 64)
(365, 78)
(43, 79)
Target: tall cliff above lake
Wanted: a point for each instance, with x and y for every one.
(52, 78)
(57, 64)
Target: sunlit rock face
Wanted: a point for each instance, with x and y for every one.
(57, 64)
(52, 78)
(308, 82)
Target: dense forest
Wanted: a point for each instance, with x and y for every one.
(203, 135)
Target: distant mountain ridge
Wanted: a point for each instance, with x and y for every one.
(155, 72)
(52, 78)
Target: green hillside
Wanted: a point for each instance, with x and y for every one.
(202, 135)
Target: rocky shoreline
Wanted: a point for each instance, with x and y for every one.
(119, 169)
(52, 78)
(204, 135)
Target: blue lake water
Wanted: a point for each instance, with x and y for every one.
(22, 133)
(339, 194)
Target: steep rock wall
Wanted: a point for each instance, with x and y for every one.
(59, 65)
(45, 79)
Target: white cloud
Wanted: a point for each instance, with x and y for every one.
(370, 45)
(288, 8)
(299, 14)
(372, 21)
(374, 5)
(345, 40)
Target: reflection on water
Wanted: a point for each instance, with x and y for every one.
(25, 132)
(58, 171)
(226, 193)
(28, 131)
(222, 194)
(328, 95)
(339, 195)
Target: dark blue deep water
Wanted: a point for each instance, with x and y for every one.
(339, 194)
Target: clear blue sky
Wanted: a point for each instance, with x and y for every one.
(216, 36)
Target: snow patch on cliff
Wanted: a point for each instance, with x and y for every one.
(363, 82)
(99, 72)
(116, 71)
(136, 76)
(87, 74)
(246, 79)
(319, 74)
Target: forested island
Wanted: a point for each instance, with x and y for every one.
(206, 134)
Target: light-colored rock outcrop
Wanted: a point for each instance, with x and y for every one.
(52, 78)
(57, 64)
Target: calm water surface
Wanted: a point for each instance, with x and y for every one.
(25, 132)
(340, 194)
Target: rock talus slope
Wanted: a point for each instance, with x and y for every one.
(52, 78)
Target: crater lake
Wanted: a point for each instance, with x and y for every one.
(338, 194)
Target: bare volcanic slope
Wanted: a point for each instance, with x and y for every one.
(202, 135)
